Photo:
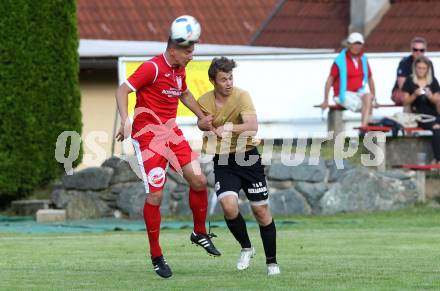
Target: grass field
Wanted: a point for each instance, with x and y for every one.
(398, 250)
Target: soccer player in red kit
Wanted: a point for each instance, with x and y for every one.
(159, 85)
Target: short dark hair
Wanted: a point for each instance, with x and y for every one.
(221, 64)
(172, 44)
(419, 39)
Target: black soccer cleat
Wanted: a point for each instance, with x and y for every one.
(161, 267)
(204, 240)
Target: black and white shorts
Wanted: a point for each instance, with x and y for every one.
(231, 175)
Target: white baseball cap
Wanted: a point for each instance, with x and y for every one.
(355, 37)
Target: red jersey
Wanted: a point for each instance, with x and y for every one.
(158, 87)
(355, 75)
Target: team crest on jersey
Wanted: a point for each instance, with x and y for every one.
(179, 82)
(217, 186)
(156, 177)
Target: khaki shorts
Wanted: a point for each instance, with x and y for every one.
(353, 101)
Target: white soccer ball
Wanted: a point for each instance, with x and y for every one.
(185, 30)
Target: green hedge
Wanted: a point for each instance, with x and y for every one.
(39, 89)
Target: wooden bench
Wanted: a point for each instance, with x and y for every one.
(420, 176)
(408, 130)
(417, 167)
(365, 129)
(401, 149)
(334, 117)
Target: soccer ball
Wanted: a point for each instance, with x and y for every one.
(185, 30)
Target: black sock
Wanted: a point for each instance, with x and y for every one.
(269, 237)
(237, 226)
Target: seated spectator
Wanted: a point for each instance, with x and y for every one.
(421, 92)
(349, 75)
(418, 48)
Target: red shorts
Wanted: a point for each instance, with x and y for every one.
(154, 153)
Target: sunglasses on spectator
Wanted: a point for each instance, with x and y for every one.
(418, 50)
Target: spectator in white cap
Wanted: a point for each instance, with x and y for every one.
(349, 75)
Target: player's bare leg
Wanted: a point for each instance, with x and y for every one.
(367, 108)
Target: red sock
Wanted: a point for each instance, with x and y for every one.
(198, 202)
(152, 222)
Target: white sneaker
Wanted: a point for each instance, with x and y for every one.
(245, 258)
(273, 269)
